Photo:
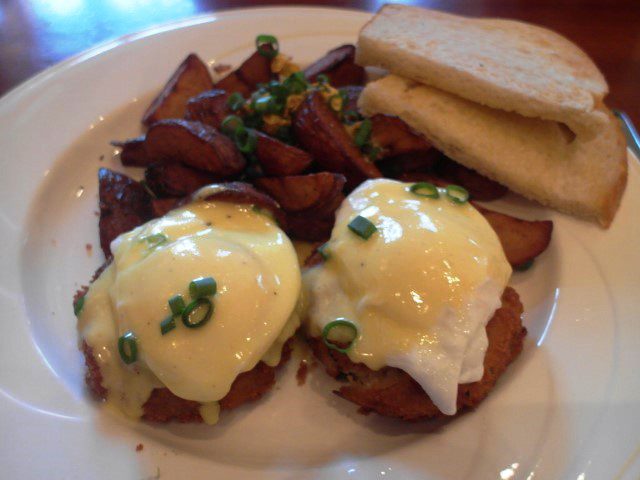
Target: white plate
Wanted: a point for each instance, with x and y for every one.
(567, 408)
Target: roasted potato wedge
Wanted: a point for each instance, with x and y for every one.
(318, 195)
(132, 152)
(175, 179)
(320, 133)
(162, 206)
(522, 240)
(241, 192)
(339, 65)
(254, 70)
(209, 108)
(279, 159)
(310, 229)
(124, 204)
(396, 137)
(479, 187)
(191, 78)
(194, 144)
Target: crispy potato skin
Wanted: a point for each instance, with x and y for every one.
(522, 240)
(392, 392)
(279, 159)
(321, 133)
(132, 153)
(339, 65)
(175, 179)
(191, 78)
(209, 108)
(395, 137)
(254, 70)
(194, 144)
(163, 406)
(124, 204)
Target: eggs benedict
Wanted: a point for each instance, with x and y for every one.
(193, 313)
(411, 301)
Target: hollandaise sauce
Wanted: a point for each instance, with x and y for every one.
(419, 273)
(228, 256)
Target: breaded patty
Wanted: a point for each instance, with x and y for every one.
(392, 392)
(163, 406)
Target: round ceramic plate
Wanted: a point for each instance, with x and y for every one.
(567, 408)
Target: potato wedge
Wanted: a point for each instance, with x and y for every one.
(124, 204)
(309, 229)
(396, 137)
(132, 152)
(191, 78)
(254, 70)
(339, 65)
(209, 108)
(316, 195)
(194, 144)
(321, 133)
(279, 159)
(241, 192)
(522, 240)
(479, 187)
(175, 179)
(162, 206)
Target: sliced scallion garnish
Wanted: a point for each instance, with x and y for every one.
(201, 309)
(246, 139)
(167, 325)
(457, 193)
(128, 347)
(363, 133)
(155, 240)
(322, 78)
(267, 45)
(77, 306)
(176, 304)
(296, 83)
(235, 101)
(363, 227)
(230, 124)
(425, 189)
(202, 287)
(343, 326)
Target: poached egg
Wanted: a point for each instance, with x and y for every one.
(420, 290)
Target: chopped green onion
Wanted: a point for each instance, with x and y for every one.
(362, 227)
(457, 194)
(202, 287)
(340, 324)
(363, 133)
(278, 91)
(351, 116)
(322, 250)
(155, 239)
(425, 189)
(267, 46)
(231, 123)
(128, 347)
(296, 83)
(235, 101)
(524, 266)
(176, 304)
(246, 139)
(322, 78)
(196, 307)
(167, 324)
(262, 104)
(77, 306)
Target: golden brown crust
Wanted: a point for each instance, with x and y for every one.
(392, 392)
(163, 406)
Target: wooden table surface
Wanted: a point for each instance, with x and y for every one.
(35, 34)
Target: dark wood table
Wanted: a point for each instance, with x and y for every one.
(35, 34)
